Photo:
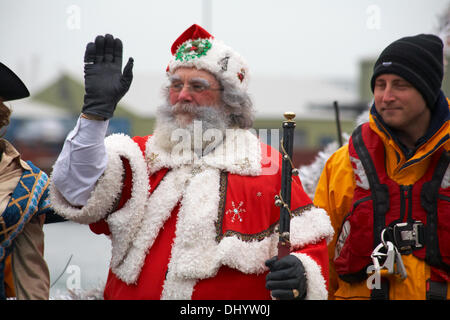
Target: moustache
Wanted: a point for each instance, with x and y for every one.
(185, 108)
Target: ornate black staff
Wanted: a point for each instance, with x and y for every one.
(338, 123)
(283, 200)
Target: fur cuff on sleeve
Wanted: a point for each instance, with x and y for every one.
(109, 186)
(102, 198)
(125, 222)
(310, 226)
(316, 288)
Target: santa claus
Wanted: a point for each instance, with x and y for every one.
(190, 209)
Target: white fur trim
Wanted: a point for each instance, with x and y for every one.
(316, 288)
(102, 198)
(232, 250)
(123, 222)
(176, 288)
(194, 250)
(195, 253)
(213, 61)
(157, 210)
(202, 189)
(311, 226)
(239, 154)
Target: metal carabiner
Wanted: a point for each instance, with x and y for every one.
(394, 258)
(401, 270)
(375, 257)
(388, 257)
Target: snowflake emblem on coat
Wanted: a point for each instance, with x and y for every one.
(236, 211)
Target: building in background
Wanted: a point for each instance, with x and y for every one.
(47, 116)
(40, 124)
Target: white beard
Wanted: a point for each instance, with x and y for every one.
(202, 135)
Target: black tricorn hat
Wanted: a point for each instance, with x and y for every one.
(11, 87)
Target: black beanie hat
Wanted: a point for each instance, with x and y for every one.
(417, 59)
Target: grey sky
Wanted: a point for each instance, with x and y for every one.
(322, 38)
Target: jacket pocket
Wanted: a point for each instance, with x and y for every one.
(355, 242)
(443, 225)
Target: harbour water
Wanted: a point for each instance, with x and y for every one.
(77, 258)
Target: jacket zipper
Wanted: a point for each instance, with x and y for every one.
(405, 203)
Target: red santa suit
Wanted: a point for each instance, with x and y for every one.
(189, 227)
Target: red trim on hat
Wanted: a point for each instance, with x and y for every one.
(193, 32)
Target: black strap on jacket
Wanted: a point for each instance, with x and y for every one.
(429, 201)
(380, 192)
(436, 290)
(381, 293)
(380, 199)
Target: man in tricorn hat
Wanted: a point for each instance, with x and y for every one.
(190, 210)
(23, 206)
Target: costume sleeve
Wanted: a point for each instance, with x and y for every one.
(334, 194)
(30, 272)
(81, 162)
(107, 192)
(101, 227)
(310, 231)
(108, 210)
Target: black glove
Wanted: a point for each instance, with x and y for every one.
(104, 82)
(286, 275)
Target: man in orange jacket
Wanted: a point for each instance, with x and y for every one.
(388, 190)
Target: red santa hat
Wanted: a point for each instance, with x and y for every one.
(195, 47)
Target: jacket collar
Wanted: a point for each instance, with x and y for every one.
(436, 135)
(10, 155)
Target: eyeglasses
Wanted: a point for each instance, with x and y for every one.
(193, 86)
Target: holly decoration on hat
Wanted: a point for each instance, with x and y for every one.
(241, 75)
(192, 49)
